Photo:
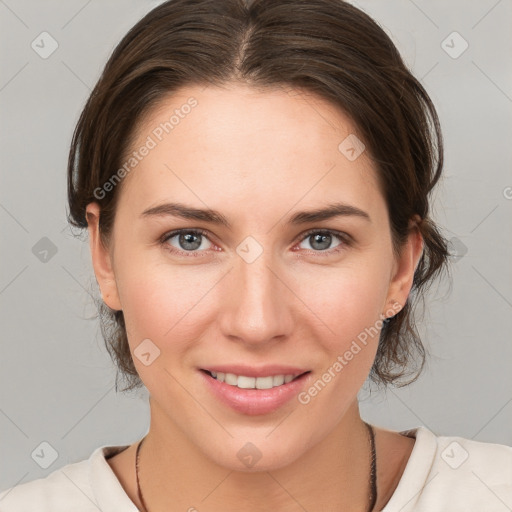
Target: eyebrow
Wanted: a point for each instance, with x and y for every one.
(214, 217)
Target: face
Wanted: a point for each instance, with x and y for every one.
(264, 293)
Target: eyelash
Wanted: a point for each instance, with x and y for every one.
(346, 241)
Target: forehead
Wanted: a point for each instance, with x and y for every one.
(244, 146)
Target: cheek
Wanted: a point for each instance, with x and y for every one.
(349, 307)
(164, 302)
(347, 301)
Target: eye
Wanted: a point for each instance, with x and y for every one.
(321, 240)
(190, 242)
(187, 241)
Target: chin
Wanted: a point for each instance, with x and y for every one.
(252, 454)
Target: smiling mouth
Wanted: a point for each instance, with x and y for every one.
(245, 382)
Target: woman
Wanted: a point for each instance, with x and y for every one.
(255, 180)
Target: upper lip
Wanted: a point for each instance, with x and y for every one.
(256, 371)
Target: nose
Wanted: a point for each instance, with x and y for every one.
(257, 309)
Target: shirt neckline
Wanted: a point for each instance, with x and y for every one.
(417, 469)
(111, 496)
(109, 493)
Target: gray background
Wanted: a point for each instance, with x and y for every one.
(57, 379)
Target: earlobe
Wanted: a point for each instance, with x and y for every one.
(101, 259)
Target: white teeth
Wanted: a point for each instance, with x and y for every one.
(231, 379)
(278, 380)
(245, 382)
(264, 382)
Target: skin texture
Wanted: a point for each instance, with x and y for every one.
(258, 157)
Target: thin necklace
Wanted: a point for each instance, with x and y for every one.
(373, 472)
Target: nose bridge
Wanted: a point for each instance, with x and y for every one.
(257, 309)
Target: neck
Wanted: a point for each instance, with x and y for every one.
(332, 475)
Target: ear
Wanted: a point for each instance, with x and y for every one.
(101, 259)
(403, 270)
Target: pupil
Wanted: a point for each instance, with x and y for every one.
(324, 240)
(187, 244)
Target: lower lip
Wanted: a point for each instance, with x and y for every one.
(254, 401)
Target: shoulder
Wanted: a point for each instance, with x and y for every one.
(454, 473)
(82, 484)
(476, 469)
(53, 492)
(459, 459)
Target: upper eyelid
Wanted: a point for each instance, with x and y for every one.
(342, 236)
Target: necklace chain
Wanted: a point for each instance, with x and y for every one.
(373, 472)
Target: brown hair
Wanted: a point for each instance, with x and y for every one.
(327, 47)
